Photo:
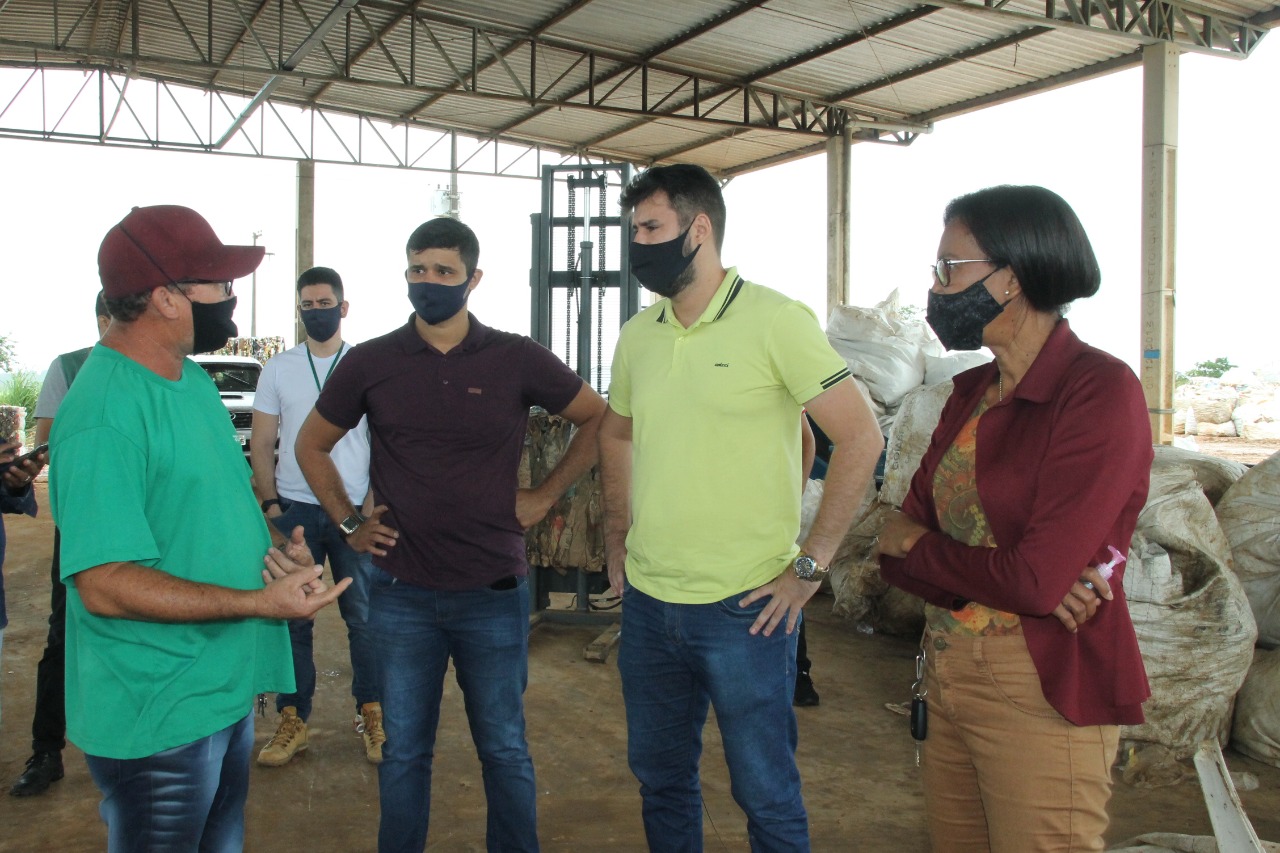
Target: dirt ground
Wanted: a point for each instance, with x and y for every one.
(861, 785)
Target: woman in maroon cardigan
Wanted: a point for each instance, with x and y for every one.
(1037, 469)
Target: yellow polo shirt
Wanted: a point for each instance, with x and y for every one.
(715, 410)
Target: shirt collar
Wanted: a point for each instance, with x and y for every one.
(728, 291)
(412, 342)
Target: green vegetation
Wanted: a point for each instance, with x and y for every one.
(7, 356)
(1212, 368)
(22, 388)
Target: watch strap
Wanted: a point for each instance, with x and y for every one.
(269, 503)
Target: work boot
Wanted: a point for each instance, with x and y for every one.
(369, 725)
(43, 769)
(290, 738)
(805, 695)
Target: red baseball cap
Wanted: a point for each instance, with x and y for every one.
(165, 244)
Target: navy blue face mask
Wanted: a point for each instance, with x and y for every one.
(434, 302)
(663, 267)
(321, 323)
(959, 318)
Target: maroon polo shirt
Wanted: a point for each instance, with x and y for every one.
(446, 433)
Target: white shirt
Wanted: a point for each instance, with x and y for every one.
(288, 389)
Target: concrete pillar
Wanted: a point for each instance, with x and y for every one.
(1159, 231)
(839, 183)
(306, 229)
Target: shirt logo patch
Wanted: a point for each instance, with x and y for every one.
(722, 364)
(474, 391)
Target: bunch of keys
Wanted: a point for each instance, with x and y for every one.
(919, 708)
(262, 704)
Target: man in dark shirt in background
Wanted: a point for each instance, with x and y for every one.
(447, 400)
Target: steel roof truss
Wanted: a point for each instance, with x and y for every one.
(1145, 21)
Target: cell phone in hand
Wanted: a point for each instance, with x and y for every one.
(26, 457)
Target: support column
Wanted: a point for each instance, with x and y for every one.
(306, 229)
(1159, 231)
(839, 183)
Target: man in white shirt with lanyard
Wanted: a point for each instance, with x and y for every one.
(287, 391)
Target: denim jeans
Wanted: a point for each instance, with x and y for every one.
(675, 660)
(326, 540)
(486, 632)
(186, 798)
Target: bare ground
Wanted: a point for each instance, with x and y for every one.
(861, 785)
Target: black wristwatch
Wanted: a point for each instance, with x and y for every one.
(351, 524)
(807, 568)
(269, 503)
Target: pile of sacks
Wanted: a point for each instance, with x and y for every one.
(890, 353)
(1235, 404)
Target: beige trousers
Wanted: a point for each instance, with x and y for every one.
(1003, 771)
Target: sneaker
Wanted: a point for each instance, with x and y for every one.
(805, 695)
(290, 738)
(369, 725)
(43, 769)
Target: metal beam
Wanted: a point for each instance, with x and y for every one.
(338, 13)
(1145, 22)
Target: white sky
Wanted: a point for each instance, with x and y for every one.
(1083, 141)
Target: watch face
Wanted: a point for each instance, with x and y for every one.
(806, 566)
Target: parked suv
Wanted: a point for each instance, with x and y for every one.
(237, 379)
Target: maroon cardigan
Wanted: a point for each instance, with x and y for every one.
(1062, 470)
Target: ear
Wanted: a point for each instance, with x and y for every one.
(475, 279)
(165, 300)
(1012, 288)
(701, 231)
(343, 306)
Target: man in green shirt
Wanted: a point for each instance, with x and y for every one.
(174, 618)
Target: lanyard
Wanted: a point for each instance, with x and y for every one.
(316, 376)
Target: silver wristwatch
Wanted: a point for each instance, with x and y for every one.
(351, 524)
(807, 568)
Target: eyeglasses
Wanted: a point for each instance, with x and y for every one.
(942, 269)
(224, 285)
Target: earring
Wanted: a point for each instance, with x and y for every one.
(1006, 293)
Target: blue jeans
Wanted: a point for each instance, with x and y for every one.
(675, 660)
(183, 799)
(326, 540)
(486, 631)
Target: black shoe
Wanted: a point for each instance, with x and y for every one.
(43, 769)
(805, 696)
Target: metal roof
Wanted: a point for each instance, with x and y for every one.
(733, 85)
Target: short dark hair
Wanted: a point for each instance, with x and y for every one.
(126, 309)
(444, 232)
(321, 275)
(690, 189)
(1036, 234)
(100, 306)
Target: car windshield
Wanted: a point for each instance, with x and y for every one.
(234, 377)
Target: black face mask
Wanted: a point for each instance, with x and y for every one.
(212, 324)
(321, 323)
(663, 268)
(959, 318)
(435, 302)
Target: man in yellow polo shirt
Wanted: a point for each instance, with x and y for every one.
(701, 460)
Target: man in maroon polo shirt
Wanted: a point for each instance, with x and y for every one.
(448, 400)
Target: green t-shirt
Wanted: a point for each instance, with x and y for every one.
(715, 409)
(149, 471)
